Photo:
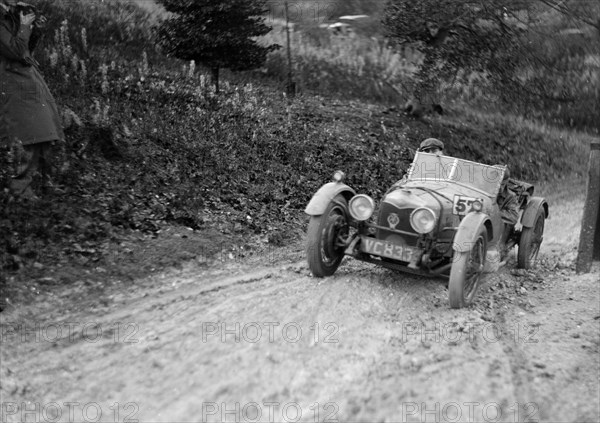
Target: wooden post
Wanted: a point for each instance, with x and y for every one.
(589, 238)
(291, 86)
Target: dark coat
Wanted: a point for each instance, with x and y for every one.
(509, 205)
(27, 109)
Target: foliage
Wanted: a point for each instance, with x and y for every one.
(215, 33)
(150, 143)
(113, 28)
(352, 66)
(456, 35)
(521, 52)
(562, 84)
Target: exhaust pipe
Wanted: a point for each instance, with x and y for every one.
(441, 269)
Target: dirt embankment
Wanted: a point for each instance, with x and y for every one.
(259, 339)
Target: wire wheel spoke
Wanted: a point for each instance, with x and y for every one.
(325, 238)
(332, 236)
(474, 267)
(536, 242)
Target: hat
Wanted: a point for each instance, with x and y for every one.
(431, 142)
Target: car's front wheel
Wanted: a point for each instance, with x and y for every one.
(326, 238)
(466, 272)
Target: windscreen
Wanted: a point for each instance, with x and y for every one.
(432, 167)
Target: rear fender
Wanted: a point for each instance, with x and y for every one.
(533, 205)
(468, 229)
(325, 194)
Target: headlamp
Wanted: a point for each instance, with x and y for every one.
(422, 220)
(361, 207)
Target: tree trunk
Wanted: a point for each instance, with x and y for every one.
(215, 78)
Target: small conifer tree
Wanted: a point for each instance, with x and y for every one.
(216, 33)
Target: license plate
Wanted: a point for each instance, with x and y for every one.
(386, 249)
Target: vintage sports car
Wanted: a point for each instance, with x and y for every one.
(442, 219)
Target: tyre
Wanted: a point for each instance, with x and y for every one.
(530, 241)
(466, 272)
(326, 235)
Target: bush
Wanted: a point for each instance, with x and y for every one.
(149, 142)
(346, 66)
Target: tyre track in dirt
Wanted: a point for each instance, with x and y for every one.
(555, 358)
(174, 368)
(365, 345)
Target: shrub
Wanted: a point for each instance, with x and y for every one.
(351, 66)
(149, 142)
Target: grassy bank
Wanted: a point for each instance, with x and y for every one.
(149, 143)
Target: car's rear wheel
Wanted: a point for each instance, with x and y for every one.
(466, 272)
(326, 238)
(530, 241)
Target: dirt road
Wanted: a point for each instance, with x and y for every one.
(261, 340)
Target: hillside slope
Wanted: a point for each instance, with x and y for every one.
(150, 145)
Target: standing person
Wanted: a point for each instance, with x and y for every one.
(28, 112)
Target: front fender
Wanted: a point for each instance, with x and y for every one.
(468, 229)
(325, 194)
(533, 205)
